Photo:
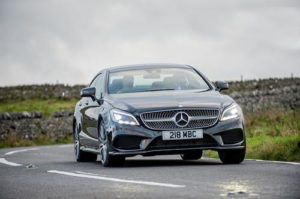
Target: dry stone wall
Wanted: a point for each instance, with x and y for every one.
(30, 129)
(45, 91)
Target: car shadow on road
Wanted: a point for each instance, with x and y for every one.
(167, 162)
(136, 163)
(132, 162)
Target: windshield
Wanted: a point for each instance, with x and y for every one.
(131, 81)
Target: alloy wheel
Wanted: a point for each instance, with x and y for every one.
(102, 145)
(76, 143)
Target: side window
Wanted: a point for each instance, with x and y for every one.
(99, 85)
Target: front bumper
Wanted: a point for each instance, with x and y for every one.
(170, 151)
(129, 140)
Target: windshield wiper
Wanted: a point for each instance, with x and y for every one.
(204, 90)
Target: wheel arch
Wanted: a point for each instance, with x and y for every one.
(74, 124)
(100, 119)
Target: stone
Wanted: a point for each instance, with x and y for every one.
(25, 114)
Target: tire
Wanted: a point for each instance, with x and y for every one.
(191, 155)
(232, 156)
(106, 159)
(81, 156)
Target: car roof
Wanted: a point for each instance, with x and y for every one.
(146, 66)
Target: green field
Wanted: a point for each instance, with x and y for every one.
(46, 106)
(271, 135)
(14, 141)
(274, 136)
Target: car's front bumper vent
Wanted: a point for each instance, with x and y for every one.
(193, 118)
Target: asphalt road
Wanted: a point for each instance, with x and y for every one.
(51, 172)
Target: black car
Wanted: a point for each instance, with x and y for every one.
(154, 109)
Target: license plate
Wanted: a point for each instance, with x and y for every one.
(182, 134)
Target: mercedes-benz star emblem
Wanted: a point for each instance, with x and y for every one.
(181, 119)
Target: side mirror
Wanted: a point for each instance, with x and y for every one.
(100, 101)
(88, 92)
(221, 85)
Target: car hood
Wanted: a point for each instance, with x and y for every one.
(151, 101)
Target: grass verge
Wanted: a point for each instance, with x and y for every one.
(270, 148)
(14, 141)
(46, 106)
(271, 136)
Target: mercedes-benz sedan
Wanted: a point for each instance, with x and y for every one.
(155, 109)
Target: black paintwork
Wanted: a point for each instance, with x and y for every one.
(91, 109)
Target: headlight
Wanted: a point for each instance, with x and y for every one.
(122, 117)
(230, 112)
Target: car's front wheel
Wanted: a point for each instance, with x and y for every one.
(81, 156)
(105, 147)
(232, 156)
(195, 155)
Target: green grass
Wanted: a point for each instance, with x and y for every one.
(284, 148)
(273, 123)
(46, 106)
(14, 141)
(272, 136)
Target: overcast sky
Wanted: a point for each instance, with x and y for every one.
(70, 41)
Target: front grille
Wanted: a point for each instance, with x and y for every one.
(166, 120)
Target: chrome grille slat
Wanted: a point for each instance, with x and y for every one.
(164, 119)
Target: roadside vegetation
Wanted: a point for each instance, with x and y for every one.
(46, 106)
(272, 135)
(14, 141)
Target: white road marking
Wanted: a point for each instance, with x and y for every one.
(278, 162)
(87, 173)
(4, 161)
(116, 179)
(258, 160)
(64, 146)
(21, 150)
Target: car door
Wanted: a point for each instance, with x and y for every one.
(91, 113)
(84, 104)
